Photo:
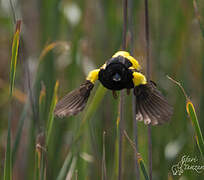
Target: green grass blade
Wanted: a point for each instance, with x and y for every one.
(51, 113)
(100, 93)
(197, 14)
(37, 173)
(64, 169)
(104, 172)
(40, 158)
(139, 157)
(43, 166)
(7, 163)
(143, 168)
(116, 159)
(192, 114)
(15, 46)
(70, 173)
(92, 107)
(18, 134)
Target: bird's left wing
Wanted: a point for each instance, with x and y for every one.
(76, 100)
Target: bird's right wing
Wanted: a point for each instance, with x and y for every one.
(152, 107)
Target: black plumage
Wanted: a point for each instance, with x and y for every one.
(120, 67)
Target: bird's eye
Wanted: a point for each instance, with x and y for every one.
(116, 77)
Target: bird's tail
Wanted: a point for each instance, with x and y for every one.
(152, 106)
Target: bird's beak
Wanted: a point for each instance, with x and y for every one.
(116, 77)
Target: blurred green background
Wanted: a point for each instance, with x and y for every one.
(82, 35)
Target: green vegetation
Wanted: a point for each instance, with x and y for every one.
(194, 120)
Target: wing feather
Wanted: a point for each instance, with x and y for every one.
(75, 101)
(152, 105)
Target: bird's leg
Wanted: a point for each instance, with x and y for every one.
(115, 95)
(128, 91)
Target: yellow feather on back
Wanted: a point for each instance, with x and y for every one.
(125, 54)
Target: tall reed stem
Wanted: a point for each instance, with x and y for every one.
(148, 77)
(121, 110)
(134, 100)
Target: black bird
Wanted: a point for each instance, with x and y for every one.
(122, 71)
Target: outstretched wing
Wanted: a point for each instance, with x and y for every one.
(75, 101)
(152, 106)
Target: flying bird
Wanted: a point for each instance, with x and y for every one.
(121, 71)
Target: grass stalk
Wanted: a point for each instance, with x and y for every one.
(122, 98)
(139, 157)
(51, 114)
(33, 125)
(30, 92)
(40, 160)
(121, 110)
(197, 14)
(150, 150)
(15, 46)
(193, 117)
(8, 157)
(12, 11)
(37, 172)
(104, 173)
(19, 133)
(65, 167)
(91, 109)
(134, 100)
(148, 77)
(70, 173)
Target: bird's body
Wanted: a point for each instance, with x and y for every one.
(116, 75)
(122, 71)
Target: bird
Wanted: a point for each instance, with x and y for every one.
(121, 71)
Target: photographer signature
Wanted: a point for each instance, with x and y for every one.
(187, 163)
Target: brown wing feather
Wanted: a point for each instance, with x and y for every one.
(75, 101)
(153, 108)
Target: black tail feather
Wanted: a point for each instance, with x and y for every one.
(152, 106)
